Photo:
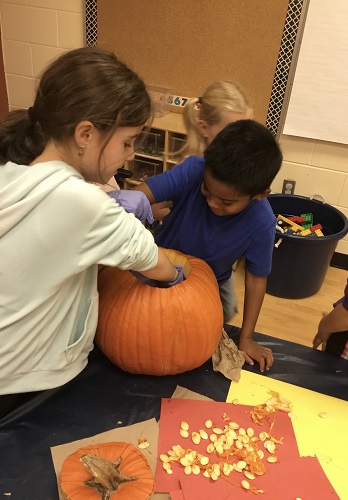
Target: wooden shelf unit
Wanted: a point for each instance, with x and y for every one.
(155, 154)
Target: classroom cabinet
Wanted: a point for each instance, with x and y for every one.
(157, 150)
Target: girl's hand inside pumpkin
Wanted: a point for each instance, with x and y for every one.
(179, 278)
(254, 351)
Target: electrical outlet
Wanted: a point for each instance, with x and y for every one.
(288, 186)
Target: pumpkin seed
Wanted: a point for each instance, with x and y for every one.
(272, 459)
(250, 432)
(143, 445)
(210, 448)
(233, 425)
(203, 434)
(184, 433)
(229, 440)
(185, 462)
(195, 469)
(263, 436)
(208, 424)
(219, 449)
(270, 446)
(245, 484)
(216, 469)
(217, 430)
(227, 469)
(196, 438)
(184, 426)
(248, 474)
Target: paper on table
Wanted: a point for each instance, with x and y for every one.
(302, 477)
(326, 438)
(183, 393)
(177, 495)
(174, 411)
(129, 434)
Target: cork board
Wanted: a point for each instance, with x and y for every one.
(3, 92)
(185, 45)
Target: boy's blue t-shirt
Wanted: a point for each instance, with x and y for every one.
(192, 228)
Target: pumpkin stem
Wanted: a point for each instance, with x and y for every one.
(106, 475)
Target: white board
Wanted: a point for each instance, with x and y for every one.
(318, 105)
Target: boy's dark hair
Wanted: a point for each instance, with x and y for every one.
(244, 155)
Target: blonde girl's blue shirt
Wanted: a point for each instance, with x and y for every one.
(192, 228)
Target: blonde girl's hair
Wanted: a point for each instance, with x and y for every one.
(218, 97)
(88, 83)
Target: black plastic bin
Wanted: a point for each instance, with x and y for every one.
(300, 263)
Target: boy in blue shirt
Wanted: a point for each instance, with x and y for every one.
(220, 213)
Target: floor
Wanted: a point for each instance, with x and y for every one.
(295, 320)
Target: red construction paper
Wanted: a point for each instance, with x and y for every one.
(298, 478)
(177, 495)
(195, 413)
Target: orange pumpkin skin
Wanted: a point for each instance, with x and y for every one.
(74, 473)
(159, 331)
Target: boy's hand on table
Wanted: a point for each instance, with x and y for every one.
(254, 351)
(323, 334)
(321, 339)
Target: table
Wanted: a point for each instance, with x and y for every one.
(103, 394)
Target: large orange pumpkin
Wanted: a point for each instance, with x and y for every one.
(159, 331)
(133, 465)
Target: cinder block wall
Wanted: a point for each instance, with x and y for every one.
(35, 31)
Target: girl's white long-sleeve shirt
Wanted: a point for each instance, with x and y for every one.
(54, 231)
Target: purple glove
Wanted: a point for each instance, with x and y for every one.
(161, 284)
(134, 202)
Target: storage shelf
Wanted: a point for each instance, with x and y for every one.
(151, 157)
(167, 132)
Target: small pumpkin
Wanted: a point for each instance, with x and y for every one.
(115, 471)
(159, 331)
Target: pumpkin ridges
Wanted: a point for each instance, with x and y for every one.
(183, 337)
(133, 354)
(170, 341)
(111, 314)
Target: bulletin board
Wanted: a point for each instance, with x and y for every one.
(3, 93)
(185, 45)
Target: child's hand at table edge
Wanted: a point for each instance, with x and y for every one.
(323, 333)
(254, 351)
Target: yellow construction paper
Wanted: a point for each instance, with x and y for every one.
(327, 438)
